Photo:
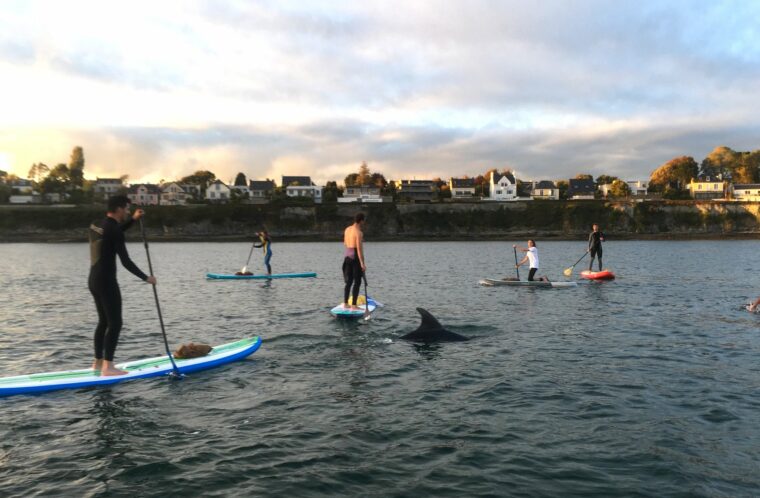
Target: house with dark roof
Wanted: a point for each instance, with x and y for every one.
(462, 188)
(545, 190)
(580, 189)
(361, 193)
(261, 189)
(144, 194)
(503, 187)
(301, 186)
(415, 190)
(745, 191)
(172, 194)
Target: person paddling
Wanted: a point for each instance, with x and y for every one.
(266, 244)
(595, 240)
(531, 255)
(353, 260)
(106, 242)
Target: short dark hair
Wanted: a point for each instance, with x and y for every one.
(117, 201)
(359, 217)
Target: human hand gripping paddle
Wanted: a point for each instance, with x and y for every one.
(176, 374)
(569, 271)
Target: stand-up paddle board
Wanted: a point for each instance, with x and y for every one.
(140, 369)
(341, 312)
(598, 275)
(490, 282)
(230, 276)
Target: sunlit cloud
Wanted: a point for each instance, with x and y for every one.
(157, 90)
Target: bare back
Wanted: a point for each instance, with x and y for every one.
(352, 239)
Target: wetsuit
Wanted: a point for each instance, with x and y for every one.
(352, 274)
(266, 243)
(106, 241)
(595, 248)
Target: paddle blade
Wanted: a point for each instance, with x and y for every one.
(568, 271)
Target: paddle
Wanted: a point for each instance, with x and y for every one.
(366, 299)
(569, 271)
(158, 306)
(517, 268)
(245, 268)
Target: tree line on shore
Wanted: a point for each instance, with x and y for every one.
(669, 179)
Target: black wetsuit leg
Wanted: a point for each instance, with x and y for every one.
(352, 276)
(596, 251)
(108, 304)
(531, 273)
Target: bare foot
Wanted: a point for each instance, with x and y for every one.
(97, 364)
(109, 370)
(752, 308)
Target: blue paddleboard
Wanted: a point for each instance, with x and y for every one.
(230, 276)
(140, 369)
(341, 312)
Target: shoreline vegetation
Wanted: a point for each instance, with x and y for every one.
(547, 220)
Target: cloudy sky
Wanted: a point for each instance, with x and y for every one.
(158, 89)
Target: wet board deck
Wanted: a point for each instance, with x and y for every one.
(490, 282)
(598, 275)
(230, 276)
(340, 312)
(140, 369)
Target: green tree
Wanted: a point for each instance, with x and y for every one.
(584, 176)
(240, 180)
(378, 180)
(675, 173)
(331, 192)
(748, 170)
(76, 167)
(351, 180)
(619, 189)
(202, 178)
(38, 171)
(57, 181)
(562, 186)
(364, 174)
(605, 179)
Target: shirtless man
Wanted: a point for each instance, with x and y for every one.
(353, 260)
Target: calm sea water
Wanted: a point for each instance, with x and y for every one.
(645, 386)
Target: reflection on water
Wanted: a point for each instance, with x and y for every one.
(645, 385)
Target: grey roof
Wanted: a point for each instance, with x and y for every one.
(580, 187)
(152, 189)
(746, 185)
(463, 182)
(497, 176)
(265, 185)
(543, 184)
(303, 181)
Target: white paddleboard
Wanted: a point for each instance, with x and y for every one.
(491, 282)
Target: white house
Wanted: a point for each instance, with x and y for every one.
(707, 189)
(746, 191)
(638, 187)
(218, 192)
(545, 190)
(21, 187)
(462, 188)
(361, 193)
(106, 187)
(144, 194)
(172, 194)
(502, 187)
(301, 186)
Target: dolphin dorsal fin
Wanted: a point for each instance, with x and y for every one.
(428, 321)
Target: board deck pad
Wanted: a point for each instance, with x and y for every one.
(341, 312)
(139, 369)
(492, 282)
(231, 276)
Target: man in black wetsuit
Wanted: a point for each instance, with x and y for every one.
(595, 240)
(106, 241)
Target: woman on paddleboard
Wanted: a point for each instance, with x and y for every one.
(531, 255)
(353, 260)
(595, 240)
(266, 244)
(106, 242)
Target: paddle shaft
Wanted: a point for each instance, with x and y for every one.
(366, 297)
(517, 269)
(579, 259)
(250, 253)
(158, 305)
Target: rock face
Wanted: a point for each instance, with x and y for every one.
(440, 221)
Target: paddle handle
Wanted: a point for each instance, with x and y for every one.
(158, 305)
(516, 267)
